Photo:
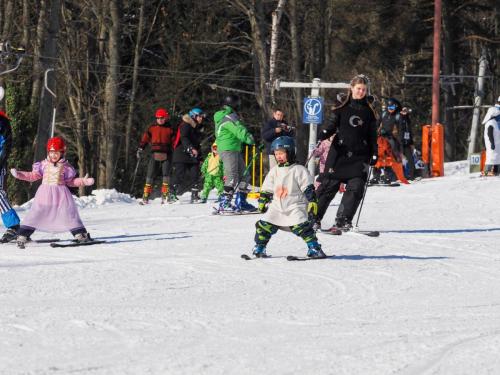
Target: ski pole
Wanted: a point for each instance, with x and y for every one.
(135, 173)
(312, 153)
(363, 199)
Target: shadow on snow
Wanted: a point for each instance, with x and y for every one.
(441, 231)
(384, 257)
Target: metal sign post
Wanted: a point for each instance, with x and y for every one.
(311, 106)
(54, 108)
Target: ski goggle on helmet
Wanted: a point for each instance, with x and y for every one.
(56, 144)
(197, 112)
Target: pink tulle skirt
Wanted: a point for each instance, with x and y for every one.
(53, 210)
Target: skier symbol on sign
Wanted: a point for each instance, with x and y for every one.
(313, 111)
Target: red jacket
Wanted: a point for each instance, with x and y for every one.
(160, 138)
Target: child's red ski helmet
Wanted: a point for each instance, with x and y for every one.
(56, 144)
(162, 113)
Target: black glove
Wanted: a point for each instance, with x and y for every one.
(373, 160)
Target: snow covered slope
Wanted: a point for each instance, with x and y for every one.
(169, 294)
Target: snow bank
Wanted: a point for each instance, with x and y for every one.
(103, 197)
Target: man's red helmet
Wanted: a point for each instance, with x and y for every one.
(56, 144)
(162, 113)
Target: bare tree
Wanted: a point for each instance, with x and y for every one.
(111, 91)
(274, 45)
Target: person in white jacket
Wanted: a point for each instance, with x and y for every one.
(492, 140)
(288, 199)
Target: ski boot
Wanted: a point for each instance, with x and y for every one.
(225, 202)
(241, 204)
(148, 188)
(10, 234)
(316, 226)
(259, 251)
(342, 224)
(203, 200)
(314, 250)
(164, 192)
(194, 196)
(83, 237)
(172, 197)
(21, 241)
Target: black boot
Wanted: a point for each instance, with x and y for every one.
(10, 234)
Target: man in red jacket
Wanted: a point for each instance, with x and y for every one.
(159, 136)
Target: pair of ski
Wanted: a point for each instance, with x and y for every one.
(290, 258)
(56, 242)
(217, 211)
(338, 232)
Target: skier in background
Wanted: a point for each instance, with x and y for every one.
(288, 200)
(406, 140)
(213, 174)
(159, 136)
(272, 129)
(9, 216)
(492, 140)
(230, 135)
(53, 208)
(187, 154)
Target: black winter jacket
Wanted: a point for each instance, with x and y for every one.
(189, 134)
(5, 139)
(269, 134)
(355, 142)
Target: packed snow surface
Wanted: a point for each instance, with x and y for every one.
(169, 294)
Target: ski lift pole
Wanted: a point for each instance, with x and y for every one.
(54, 109)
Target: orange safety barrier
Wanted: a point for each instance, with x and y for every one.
(433, 148)
(483, 160)
(386, 159)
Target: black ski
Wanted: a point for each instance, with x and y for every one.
(75, 244)
(233, 213)
(248, 257)
(369, 233)
(293, 258)
(338, 232)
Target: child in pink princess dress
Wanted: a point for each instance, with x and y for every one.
(53, 208)
(321, 152)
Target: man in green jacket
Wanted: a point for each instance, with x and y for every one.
(230, 135)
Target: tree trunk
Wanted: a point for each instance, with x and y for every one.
(37, 52)
(255, 16)
(449, 93)
(300, 131)
(274, 45)
(111, 91)
(135, 75)
(48, 102)
(7, 20)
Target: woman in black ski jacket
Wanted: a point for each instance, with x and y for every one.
(354, 147)
(187, 154)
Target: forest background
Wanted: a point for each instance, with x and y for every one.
(115, 61)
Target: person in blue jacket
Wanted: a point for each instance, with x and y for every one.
(9, 216)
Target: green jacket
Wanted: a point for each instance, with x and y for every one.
(230, 132)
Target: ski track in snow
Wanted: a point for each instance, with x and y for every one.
(169, 293)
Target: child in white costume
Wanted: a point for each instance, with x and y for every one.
(492, 140)
(289, 201)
